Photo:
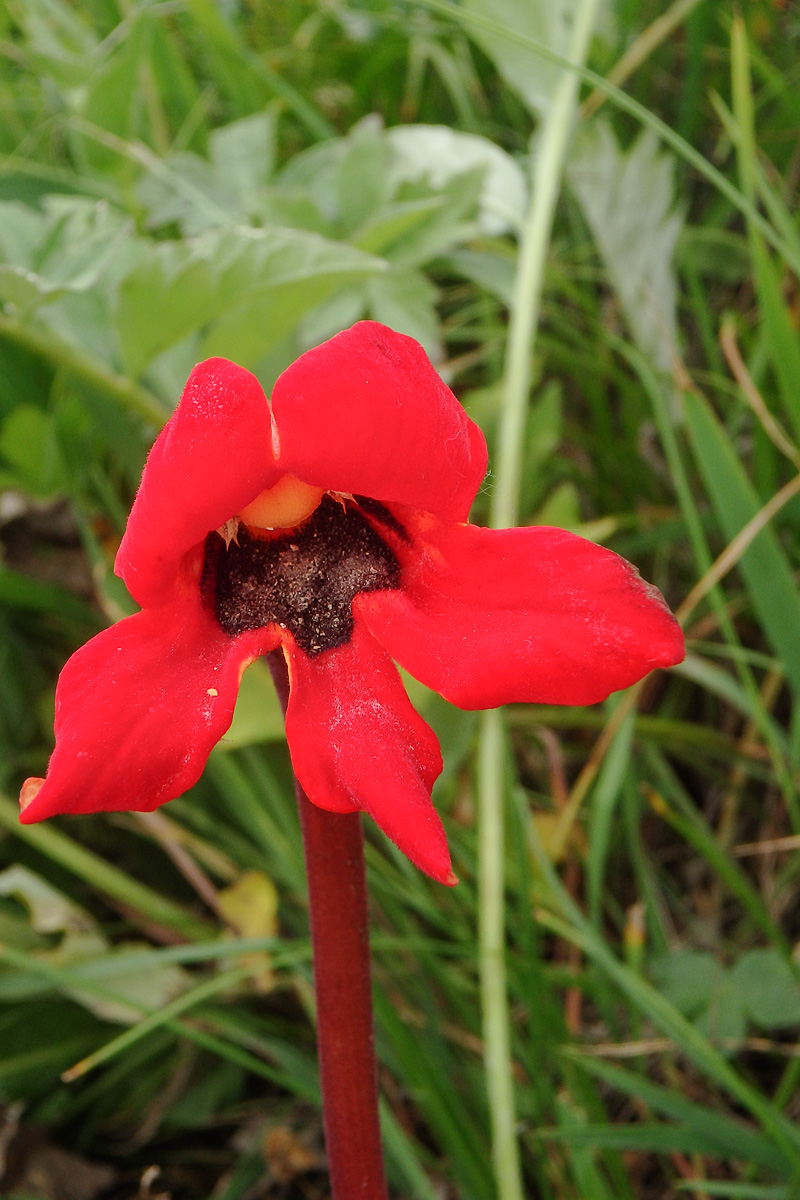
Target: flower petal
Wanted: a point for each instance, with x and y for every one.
(212, 458)
(490, 617)
(139, 708)
(366, 413)
(357, 743)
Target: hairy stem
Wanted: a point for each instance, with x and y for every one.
(337, 898)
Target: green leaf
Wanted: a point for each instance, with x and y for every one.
(393, 222)
(187, 190)
(406, 301)
(66, 251)
(767, 989)
(361, 178)
(245, 288)
(243, 154)
(627, 199)
(489, 270)
(439, 155)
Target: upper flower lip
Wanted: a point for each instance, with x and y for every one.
(364, 414)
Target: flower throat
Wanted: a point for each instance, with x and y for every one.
(304, 579)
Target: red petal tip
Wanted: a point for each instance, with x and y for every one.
(452, 879)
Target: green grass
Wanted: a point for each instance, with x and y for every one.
(179, 180)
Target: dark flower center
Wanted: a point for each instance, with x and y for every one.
(304, 579)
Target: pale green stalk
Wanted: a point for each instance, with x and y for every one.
(553, 141)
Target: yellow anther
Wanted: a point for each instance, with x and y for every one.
(283, 506)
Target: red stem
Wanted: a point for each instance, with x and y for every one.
(337, 897)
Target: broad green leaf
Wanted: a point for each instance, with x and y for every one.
(627, 199)
(230, 283)
(339, 311)
(406, 301)
(228, 189)
(448, 176)
(187, 190)
(689, 979)
(452, 224)
(489, 270)
(439, 154)
(764, 568)
(393, 222)
(22, 230)
(361, 178)
(243, 154)
(65, 250)
(767, 989)
(725, 1020)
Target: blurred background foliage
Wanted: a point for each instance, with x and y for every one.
(182, 178)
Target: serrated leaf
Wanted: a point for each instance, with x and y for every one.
(362, 175)
(628, 200)
(439, 154)
(243, 154)
(246, 288)
(185, 189)
(66, 251)
(453, 223)
(489, 270)
(339, 311)
(394, 221)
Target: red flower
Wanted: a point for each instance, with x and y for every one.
(331, 522)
